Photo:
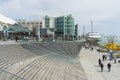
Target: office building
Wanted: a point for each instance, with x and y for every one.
(62, 26)
(48, 22)
(65, 26)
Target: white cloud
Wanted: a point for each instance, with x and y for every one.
(104, 13)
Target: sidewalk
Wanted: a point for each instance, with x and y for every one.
(89, 61)
(8, 42)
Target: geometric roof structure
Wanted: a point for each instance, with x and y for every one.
(16, 28)
(6, 20)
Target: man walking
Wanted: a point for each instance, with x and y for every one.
(115, 60)
(103, 57)
(16, 38)
(101, 67)
(109, 66)
(99, 61)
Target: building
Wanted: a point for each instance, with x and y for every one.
(58, 27)
(63, 26)
(16, 29)
(5, 22)
(48, 28)
(33, 26)
(48, 22)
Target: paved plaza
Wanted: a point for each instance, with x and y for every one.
(89, 61)
(41, 61)
(7, 42)
(52, 61)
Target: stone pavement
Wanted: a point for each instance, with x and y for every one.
(89, 61)
(23, 61)
(8, 42)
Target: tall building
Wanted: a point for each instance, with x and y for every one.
(48, 27)
(65, 26)
(48, 22)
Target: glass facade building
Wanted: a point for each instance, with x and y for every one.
(47, 21)
(65, 26)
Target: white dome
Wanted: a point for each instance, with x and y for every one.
(6, 20)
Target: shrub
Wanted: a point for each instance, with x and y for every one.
(118, 56)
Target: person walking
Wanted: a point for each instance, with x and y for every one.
(99, 61)
(115, 60)
(109, 67)
(16, 38)
(103, 57)
(101, 65)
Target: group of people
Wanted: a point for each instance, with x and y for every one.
(104, 57)
(102, 65)
(88, 46)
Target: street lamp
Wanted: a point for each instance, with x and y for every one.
(54, 34)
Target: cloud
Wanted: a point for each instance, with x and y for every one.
(104, 13)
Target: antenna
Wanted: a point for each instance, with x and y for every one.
(92, 26)
(83, 29)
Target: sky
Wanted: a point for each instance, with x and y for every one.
(105, 14)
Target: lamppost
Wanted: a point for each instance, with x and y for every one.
(54, 33)
(38, 32)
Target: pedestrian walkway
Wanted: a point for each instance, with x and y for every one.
(7, 42)
(89, 61)
(41, 61)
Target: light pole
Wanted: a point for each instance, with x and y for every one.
(91, 26)
(39, 32)
(54, 29)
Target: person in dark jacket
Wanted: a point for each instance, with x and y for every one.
(16, 38)
(101, 65)
(99, 61)
(105, 57)
(109, 67)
